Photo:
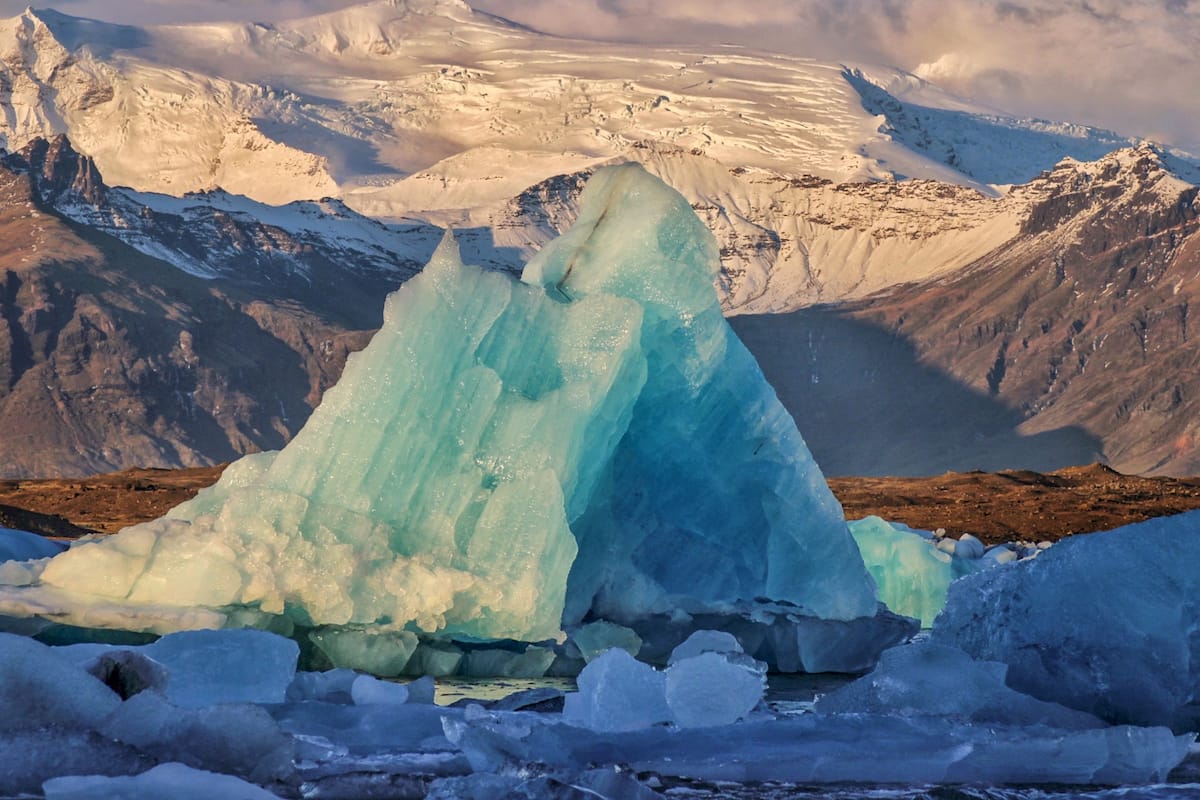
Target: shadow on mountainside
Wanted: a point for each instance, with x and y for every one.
(866, 405)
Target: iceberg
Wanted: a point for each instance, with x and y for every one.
(1107, 623)
(504, 458)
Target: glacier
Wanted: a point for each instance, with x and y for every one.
(504, 458)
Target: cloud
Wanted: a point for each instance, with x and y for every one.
(1128, 65)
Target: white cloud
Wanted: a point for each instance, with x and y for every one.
(1123, 64)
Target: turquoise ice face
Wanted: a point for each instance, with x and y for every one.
(505, 456)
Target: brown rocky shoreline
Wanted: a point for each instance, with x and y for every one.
(994, 506)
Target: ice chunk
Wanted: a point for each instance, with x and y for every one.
(330, 686)
(492, 430)
(33, 755)
(383, 652)
(39, 688)
(25, 546)
(238, 666)
(438, 659)
(926, 679)
(596, 637)
(231, 738)
(532, 663)
(706, 642)
(176, 781)
(781, 635)
(912, 573)
(968, 546)
(835, 748)
(618, 693)
(714, 689)
(1107, 623)
(372, 691)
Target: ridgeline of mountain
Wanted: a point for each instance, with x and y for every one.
(1074, 340)
(110, 358)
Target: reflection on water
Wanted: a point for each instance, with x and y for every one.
(787, 695)
(451, 690)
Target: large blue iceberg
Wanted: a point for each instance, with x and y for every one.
(1107, 623)
(503, 458)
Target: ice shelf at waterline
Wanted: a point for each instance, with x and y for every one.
(504, 457)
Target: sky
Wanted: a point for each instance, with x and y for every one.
(1128, 65)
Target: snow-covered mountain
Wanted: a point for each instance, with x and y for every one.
(417, 106)
(316, 162)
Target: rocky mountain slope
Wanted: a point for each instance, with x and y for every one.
(1074, 340)
(109, 357)
(974, 314)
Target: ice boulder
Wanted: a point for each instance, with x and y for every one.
(618, 693)
(712, 689)
(1107, 623)
(505, 457)
(494, 662)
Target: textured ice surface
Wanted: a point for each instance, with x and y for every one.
(492, 430)
(23, 546)
(1108, 623)
(33, 754)
(175, 781)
